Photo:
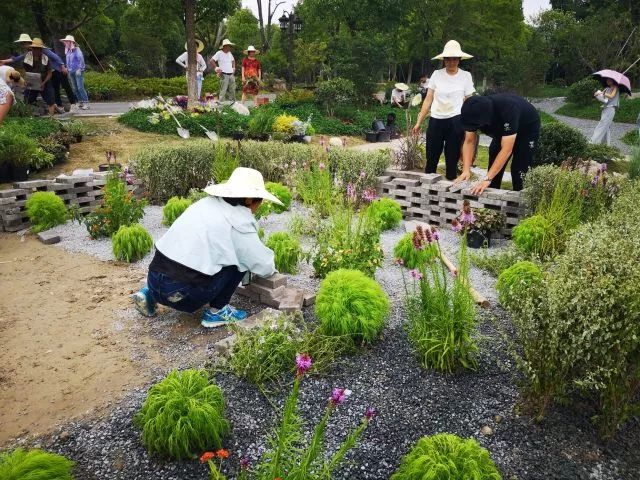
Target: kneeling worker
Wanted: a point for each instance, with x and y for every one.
(208, 249)
(513, 124)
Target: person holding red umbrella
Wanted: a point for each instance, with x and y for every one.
(615, 83)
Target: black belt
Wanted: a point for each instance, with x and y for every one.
(227, 73)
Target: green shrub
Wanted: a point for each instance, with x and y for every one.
(496, 262)
(535, 236)
(348, 240)
(45, 211)
(261, 121)
(581, 92)
(295, 97)
(602, 153)
(350, 303)
(196, 194)
(410, 256)
(387, 212)
(263, 354)
(558, 142)
(447, 457)
(441, 313)
(515, 282)
(16, 148)
(131, 243)
(183, 415)
(335, 92)
(359, 168)
(172, 170)
(34, 464)
(35, 128)
(173, 209)
(287, 250)
(634, 164)
(55, 149)
(282, 193)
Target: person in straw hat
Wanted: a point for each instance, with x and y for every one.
(9, 77)
(76, 67)
(201, 65)
(208, 250)
(36, 62)
(251, 73)
(446, 91)
(399, 95)
(224, 65)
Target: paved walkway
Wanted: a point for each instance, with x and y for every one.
(550, 105)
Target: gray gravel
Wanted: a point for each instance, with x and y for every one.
(618, 130)
(411, 402)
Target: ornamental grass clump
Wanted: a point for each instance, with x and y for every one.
(441, 310)
(408, 255)
(350, 303)
(45, 210)
(131, 243)
(535, 236)
(173, 209)
(579, 330)
(34, 464)
(287, 250)
(314, 185)
(183, 415)
(448, 457)
(515, 282)
(387, 212)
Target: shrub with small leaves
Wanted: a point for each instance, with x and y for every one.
(183, 415)
(350, 303)
(287, 250)
(173, 209)
(412, 257)
(581, 92)
(34, 465)
(515, 282)
(448, 457)
(387, 212)
(558, 142)
(45, 211)
(534, 235)
(131, 243)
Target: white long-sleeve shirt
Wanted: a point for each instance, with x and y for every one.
(201, 66)
(212, 234)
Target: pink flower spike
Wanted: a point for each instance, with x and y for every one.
(362, 174)
(338, 396)
(416, 274)
(321, 166)
(369, 413)
(303, 363)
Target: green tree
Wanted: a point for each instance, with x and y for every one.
(242, 28)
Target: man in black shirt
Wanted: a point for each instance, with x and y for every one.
(513, 124)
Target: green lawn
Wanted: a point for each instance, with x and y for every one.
(627, 113)
(631, 137)
(546, 118)
(548, 91)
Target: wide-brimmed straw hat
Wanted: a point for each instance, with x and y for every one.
(226, 42)
(452, 49)
(243, 183)
(402, 86)
(68, 38)
(251, 48)
(199, 45)
(37, 43)
(24, 38)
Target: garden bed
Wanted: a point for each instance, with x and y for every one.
(410, 401)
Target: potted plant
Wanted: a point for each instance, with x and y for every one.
(77, 129)
(260, 125)
(237, 135)
(111, 162)
(16, 152)
(478, 224)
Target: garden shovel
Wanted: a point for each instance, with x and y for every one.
(183, 132)
(213, 136)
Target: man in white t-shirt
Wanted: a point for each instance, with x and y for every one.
(225, 67)
(201, 65)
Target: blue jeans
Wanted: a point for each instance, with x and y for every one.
(77, 82)
(188, 297)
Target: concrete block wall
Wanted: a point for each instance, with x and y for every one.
(427, 197)
(85, 191)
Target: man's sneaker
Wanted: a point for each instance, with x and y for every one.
(84, 106)
(59, 109)
(225, 316)
(144, 302)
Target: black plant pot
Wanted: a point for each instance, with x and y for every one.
(477, 239)
(384, 136)
(297, 138)
(106, 167)
(371, 137)
(238, 135)
(19, 173)
(78, 138)
(5, 172)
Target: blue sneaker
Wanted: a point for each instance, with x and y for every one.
(225, 316)
(144, 302)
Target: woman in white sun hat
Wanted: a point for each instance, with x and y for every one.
(447, 90)
(251, 73)
(209, 248)
(201, 65)
(76, 67)
(399, 95)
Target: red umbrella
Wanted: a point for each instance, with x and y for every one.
(623, 82)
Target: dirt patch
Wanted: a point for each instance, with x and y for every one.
(71, 342)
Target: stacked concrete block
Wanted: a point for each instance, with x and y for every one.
(13, 215)
(275, 292)
(430, 198)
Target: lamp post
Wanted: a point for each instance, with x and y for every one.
(290, 24)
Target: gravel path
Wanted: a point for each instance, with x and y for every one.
(550, 105)
(411, 402)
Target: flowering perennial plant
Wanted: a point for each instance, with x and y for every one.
(441, 310)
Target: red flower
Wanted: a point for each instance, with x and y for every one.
(206, 456)
(222, 453)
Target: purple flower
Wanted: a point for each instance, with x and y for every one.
(467, 218)
(303, 363)
(351, 191)
(416, 274)
(339, 395)
(321, 166)
(369, 413)
(244, 463)
(594, 182)
(456, 226)
(435, 235)
(603, 167)
(362, 174)
(369, 195)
